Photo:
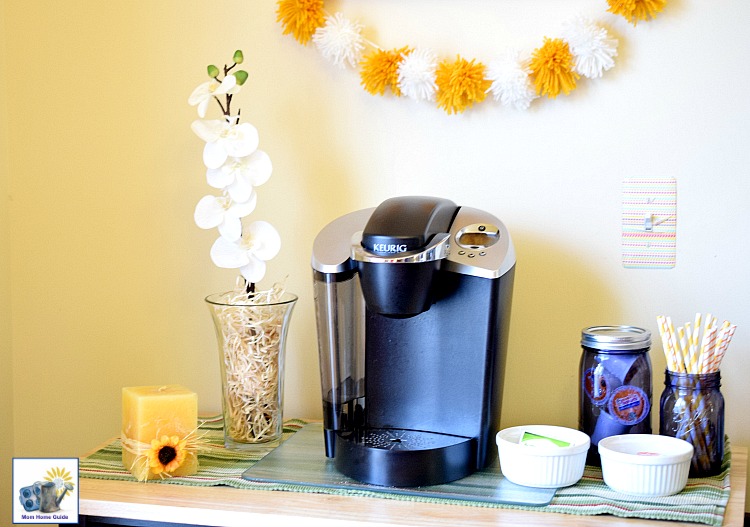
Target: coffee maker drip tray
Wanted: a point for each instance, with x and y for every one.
(404, 458)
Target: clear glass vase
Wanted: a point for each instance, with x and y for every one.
(251, 331)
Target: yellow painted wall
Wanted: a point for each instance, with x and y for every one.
(6, 355)
(108, 271)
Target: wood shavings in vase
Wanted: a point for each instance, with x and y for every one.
(251, 333)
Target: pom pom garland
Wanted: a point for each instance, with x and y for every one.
(585, 50)
(416, 75)
(301, 18)
(340, 41)
(511, 83)
(594, 50)
(635, 10)
(380, 70)
(460, 84)
(552, 66)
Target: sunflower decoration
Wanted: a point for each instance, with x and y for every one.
(552, 66)
(166, 454)
(380, 70)
(635, 10)
(61, 478)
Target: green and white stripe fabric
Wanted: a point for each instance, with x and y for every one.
(704, 500)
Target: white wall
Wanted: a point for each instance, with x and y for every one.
(106, 172)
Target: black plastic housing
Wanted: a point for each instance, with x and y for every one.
(398, 290)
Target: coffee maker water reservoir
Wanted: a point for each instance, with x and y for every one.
(412, 305)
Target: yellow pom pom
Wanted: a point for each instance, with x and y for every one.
(460, 84)
(635, 10)
(552, 65)
(300, 18)
(379, 70)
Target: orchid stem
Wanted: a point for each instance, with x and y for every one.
(225, 112)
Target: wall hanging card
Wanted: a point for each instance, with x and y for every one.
(649, 223)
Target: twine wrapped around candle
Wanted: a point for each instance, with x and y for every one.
(150, 459)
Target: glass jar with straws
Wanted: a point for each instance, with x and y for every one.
(692, 407)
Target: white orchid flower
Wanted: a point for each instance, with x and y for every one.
(224, 140)
(224, 213)
(260, 242)
(203, 94)
(238, 175)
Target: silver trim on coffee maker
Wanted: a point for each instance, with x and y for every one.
(437, 249)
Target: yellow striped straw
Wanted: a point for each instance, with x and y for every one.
(674, 345)
(696, 331)
(666, 346)
(691, 354)
(684, 351)
(687, 351)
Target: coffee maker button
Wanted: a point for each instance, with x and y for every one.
(461, 253)
(483, 253)
(472, 255)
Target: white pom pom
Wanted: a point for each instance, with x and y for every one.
(416, 75)
(592, 47)
(340, 40)
(511, 84)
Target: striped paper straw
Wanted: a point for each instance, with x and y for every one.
(673, 345)
(696, 332)
(669, 351)
(707, 348)
(692, 348)
(710, 322)
(721, 348)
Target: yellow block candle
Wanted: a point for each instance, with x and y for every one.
(158, 431)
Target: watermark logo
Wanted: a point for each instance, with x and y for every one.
(45, 490)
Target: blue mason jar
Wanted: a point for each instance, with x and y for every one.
(615, 386)
(692, 408)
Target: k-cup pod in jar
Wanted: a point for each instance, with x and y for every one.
(615, 388)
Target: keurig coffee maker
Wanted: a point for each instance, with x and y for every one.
(412, 304)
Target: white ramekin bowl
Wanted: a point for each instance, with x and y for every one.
(645, 465)
(542, 466)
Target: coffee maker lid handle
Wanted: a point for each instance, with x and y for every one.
(407, 224)
(437, 249)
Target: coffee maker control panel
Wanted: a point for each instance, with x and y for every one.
(478, 236)
(480, 245)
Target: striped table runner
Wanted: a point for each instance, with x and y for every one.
(704, 500)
